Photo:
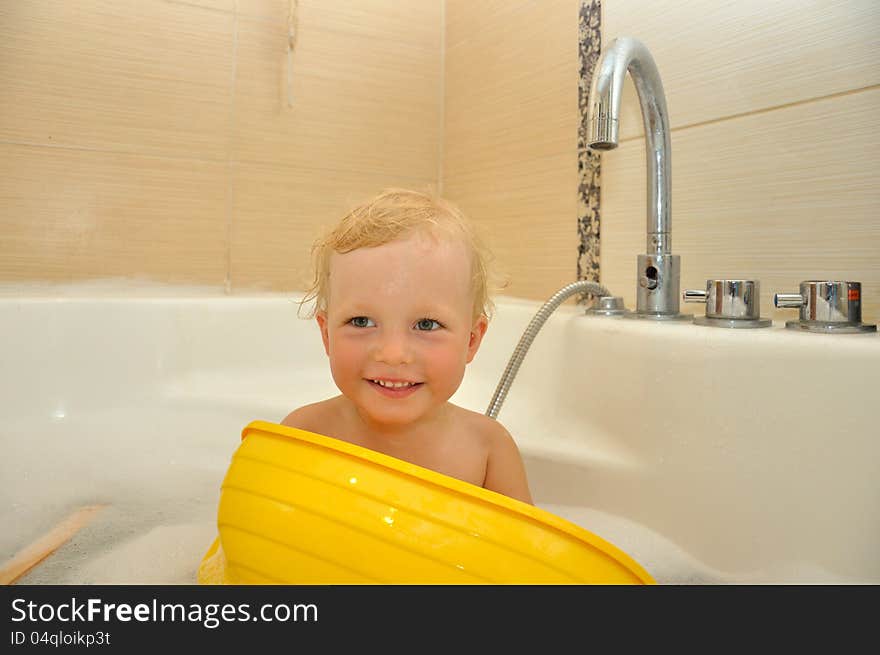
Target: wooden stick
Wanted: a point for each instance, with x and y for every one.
(31, 555)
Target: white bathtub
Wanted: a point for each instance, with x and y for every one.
(709, 455)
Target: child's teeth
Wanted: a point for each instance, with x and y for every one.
(394, 385)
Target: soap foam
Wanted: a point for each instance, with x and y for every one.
(156, 471)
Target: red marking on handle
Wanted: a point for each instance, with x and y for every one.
(853, 294)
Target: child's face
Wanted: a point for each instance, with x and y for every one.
(400, 312)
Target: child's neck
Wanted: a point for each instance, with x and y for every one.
(388, 437)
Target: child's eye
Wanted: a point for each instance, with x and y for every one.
(362, 322)
(428, 324)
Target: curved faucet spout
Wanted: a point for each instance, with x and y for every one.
(658, 270)
(628, 54)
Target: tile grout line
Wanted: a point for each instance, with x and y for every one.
(230, 163)
(107, 151)
(441, 151)
(223, 160)
(764, 110)
(193, 5)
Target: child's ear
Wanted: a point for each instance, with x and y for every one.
(321, 317)
(477, 332)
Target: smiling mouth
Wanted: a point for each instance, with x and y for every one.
(392, 385)
(394, 388)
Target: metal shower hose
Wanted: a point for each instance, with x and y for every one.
(525, 341)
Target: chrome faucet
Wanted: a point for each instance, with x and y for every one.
(658, 271)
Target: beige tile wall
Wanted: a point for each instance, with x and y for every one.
(774, 109)
(510, 140)
(156, 139)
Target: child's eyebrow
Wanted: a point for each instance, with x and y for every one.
(435, 310)
(352, 305)
(432, 311)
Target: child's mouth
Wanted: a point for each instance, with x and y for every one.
(395, 391)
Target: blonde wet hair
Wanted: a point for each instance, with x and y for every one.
(395, 214)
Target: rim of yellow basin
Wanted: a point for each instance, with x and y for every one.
(423, 474)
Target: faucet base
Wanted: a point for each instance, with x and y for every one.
(607, 306)
(829, 327)
(746, 323)
(658, 278)
(656, 316)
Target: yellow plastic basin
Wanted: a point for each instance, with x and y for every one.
(300, 508)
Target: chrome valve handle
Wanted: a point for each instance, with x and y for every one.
(826, 306)
(788, 300)
(729, 303)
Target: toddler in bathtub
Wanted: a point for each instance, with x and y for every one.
(401, 299)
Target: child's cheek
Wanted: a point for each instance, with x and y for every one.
(448, 364)
(346, 351)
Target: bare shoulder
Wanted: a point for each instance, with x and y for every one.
(500, 440)
(495, 434)
(505, 471)
(313, 417)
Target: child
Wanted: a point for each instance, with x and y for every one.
(401, 298)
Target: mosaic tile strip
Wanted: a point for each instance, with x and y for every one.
(589, 172)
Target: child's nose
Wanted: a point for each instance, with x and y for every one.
(393, 349)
